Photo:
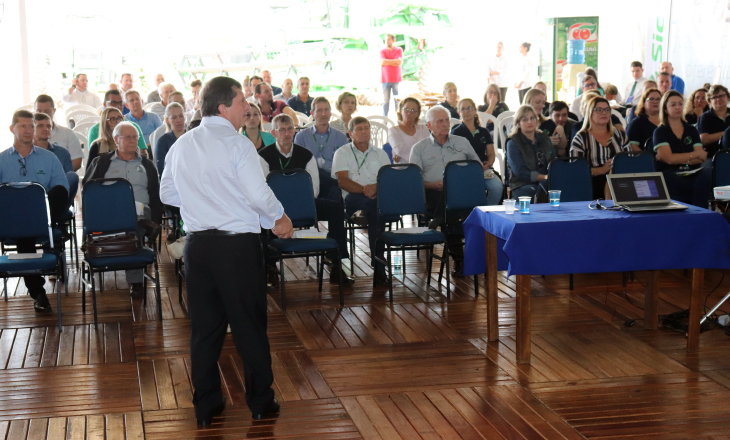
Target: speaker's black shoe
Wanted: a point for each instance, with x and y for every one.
(207, 420)
(271, 410)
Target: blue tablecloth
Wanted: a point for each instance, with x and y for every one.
(572, 238)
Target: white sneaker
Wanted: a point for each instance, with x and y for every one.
(176, 249)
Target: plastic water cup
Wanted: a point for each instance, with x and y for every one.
(397, 263)
(509, 206)
(554, 197)
(524, 205)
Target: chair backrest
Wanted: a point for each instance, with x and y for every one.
(486, 117)
(649, 146)
(572, 176)
(86, 107)
(401, 190)
(84, 140)
(334, 116)
(85, 126)
(378, 134)
(267, 127)
(464, 185)
(108, 206)
(455, 122)
(619, 116)
(389, 151)
(721, 168)
(383, 120)
(294, 191)
(504, 127)
(307, 125)
(633, 162)
(80, 116)
(303, 119)
(25, 212)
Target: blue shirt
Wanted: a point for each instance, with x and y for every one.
(149, 122)
(41, 166)
(300, 106)
(678, 84)
(164, 143)
(63, 156)
(322, 145)
(215, 177)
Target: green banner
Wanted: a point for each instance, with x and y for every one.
(575, 28)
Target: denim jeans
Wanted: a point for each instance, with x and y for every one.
(495, 188)
(387, 88)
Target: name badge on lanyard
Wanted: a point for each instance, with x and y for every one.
(320, 161)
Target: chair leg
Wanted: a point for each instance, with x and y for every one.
(476, 285)
(76, 243)
(352, 248)
(338, 266)
(403, 258)
(157, 291)
(429, 263)
(58, 289)
(283, 284)
(93, 298)
(5, 288)
(448, 278)
(144, 284)
(444, 258)
(390, 276)
(83, 288)
(320, 270)
(571, 282)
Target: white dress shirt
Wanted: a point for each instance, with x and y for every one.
(311, 167)
(362, 167)
(575, 107)
(637, 92)
(65, 138)
(525, 73)
(212, 173)
(499, 64)
(78, 97)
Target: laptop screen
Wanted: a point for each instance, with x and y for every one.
(638, 188)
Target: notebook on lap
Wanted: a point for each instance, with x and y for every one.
(641, 192)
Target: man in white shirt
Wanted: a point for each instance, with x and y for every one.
(636, 86)
(79, 93)
(60, 136)
(224, 260)
(498, 70)
(356, 166)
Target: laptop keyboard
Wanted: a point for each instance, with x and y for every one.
(650, 205)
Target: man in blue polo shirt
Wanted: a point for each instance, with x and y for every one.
(677, 82)
(148, 122)
(302, 102)
(24, 162)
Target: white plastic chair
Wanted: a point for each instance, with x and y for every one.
(486, 117)
(267, 127)
(383, 120)
(147, 107)
(501, 152)
(303, 119)
(80, 116)
(455, 122)
(84, 127)
(621, 118)
(307, 125)
(335, 116)
(86, 107)
(378, 134)
(500, 125)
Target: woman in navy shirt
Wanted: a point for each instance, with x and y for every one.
(678, 150)
(482, 144)
(452, 99)
(715, 121)
(647, 119)
(696, 105)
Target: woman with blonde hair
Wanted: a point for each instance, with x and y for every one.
(110, 117)
(253, 129)
(587, 96)
(598, 141)
(346, 104)
(528, 154)
(452, 99)
(536, 98)
(408, 132)
(696, 105)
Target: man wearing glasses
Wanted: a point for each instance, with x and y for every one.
(713, 123)
(25, 162)
(113, 98)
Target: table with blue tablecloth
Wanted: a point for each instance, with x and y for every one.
(572, 238)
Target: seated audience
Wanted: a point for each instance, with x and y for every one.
(41, 136)
(301, 102)
(192, 104)
(408, 132)
(543, 87)
(270, 108)
(175, 123)
(111, 117)
(695, 106)
(148, 122)
(323, 141)
(285, 155)
(356, 166)
(452, 100)
(286, 87)
(528, 154)
(726, 140)
(266, 75)
(677, 82)
(678, 148)
(126, 162)
(586, 98)
(346, 104)
(636, 86)
(112, 98)
(558, 128)
(647, 119)
(60, 136)
(648, 84)
(253, 129)
(536, 98)
(713, 123)
(247, 89)
(431, 155)
(492, 104)
(598, 141)
(664, 82)
(165, 128)
(611, 92)
(483, 146)
(163, 91)
(27, 163)
(253, 82)
(125, 83)
(154, 95)
(589, 83)
(79, 93)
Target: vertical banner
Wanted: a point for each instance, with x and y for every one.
(575, 28)
(657, 39)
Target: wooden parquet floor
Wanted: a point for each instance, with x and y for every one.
(419, 367)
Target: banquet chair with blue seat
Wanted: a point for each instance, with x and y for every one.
(28, 218)
(631, 162)
(108, 208)
(410, 199)
(572, 176)
(294, 190)
(463, 191)
(721, 168)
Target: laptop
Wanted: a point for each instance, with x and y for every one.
(641, 192)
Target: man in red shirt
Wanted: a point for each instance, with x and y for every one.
(391, 58)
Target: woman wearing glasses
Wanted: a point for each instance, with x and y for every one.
(528, 153)
(598, 141)
(110, 117)
(696, 105)
(483, 145)
(647, 119)
(715, 121)
(408, 132)
(679, 149)
(253, 129)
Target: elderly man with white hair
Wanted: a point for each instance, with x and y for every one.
(125, 162)
(431, 155)
(163, 91)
